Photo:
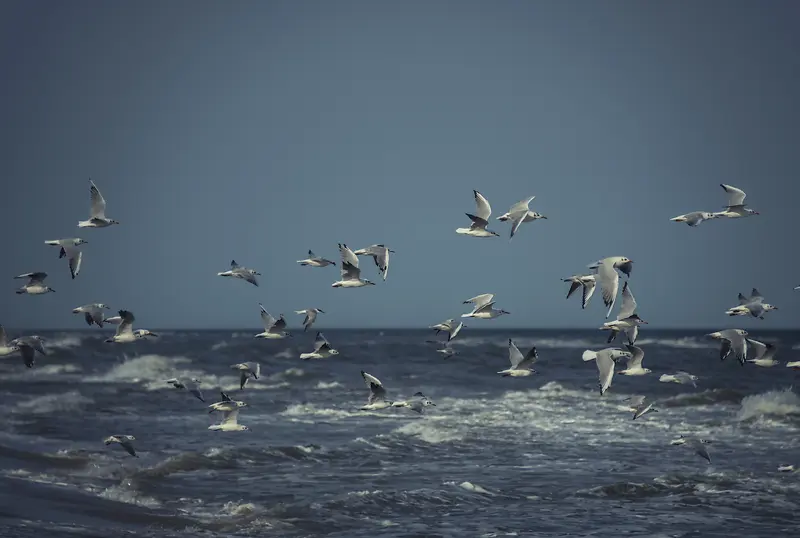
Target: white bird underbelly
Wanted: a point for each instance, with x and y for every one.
(474, 233)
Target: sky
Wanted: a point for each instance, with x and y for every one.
(256, 130)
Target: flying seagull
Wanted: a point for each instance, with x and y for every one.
(753, 306)
(28, 346)
(5, 347)
(681, 377)
(230, 422)
(351, 274)
(92, 313)
(322, 349)
(450, 327)
(377, 394)
(315, 261)
(736, 206)
(126, 441)
(587, 283)
(125, 333)
(69, 248)
(97, 213)
(521, 366)
(246, 371)
(764, 353)
(380, 254)
(608, 278)
(634, 364)
(192, 387)
(480, 220)
(311, 316)
(35, 285)
(520, 213)
(273, 329)
(733, 341)
(237, 271)
(227, 404)
(695, 218)
(417, 403)
(627, 318)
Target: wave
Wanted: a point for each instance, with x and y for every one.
(706, 397)
(51, 403)
(777, 403)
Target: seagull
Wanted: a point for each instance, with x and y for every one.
(28, 346)
(485, 311)
(315, 261)
(680, 377)
(764, 353)
(608, 278)
(97, 213)
(125, 441)
(69, 248)
(351, 274)
(418, 403)
(695, 217)
(627, 319)
(786, 468)
(605, 369)
(634, 365)
(796, 288)
(227, 404)
(35, 285)
(377, 394)
(237, 271)
(698, 445)
(753, 305)
(380, 254)
(643, 408)
(246, 371)
(586, 282)
(92, 313)
(445, 349)
(449, 326)
(322, 349)
(125, 333)
(229, 422)
(480, 220)
(736, 206)
(273, 329)
(521, 366)
(6, 348)
(613, 352)
(192, 387)
(311, 316)
(733, 341)
(518, 214)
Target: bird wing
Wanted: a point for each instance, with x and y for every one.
(230, 417)
(347, 255)
(588, 290)
(514, 354)
(376, 390)
(319, 341)
(735, 196)
(605, 368)
(521, 206)
(126, 325)
(350, 271)
(483, 209)
(608, 279)
(628, 307)
(98, 203)
(266, 318)
(637, 355)
(75, 258)
(759, 347)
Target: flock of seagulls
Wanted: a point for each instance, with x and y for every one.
(604, 274)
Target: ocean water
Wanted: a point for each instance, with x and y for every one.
(544, 455)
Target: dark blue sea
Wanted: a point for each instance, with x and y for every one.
(498, 456)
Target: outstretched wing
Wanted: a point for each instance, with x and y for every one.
(515, 356)
(628, 307)
(266, 317)
(735, 196)
(98, 209)
(483, 209)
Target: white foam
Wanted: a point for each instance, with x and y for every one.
(774, 403)
(50, 403)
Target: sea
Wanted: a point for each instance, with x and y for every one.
(544, 455)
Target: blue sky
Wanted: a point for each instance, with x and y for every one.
(259, 130)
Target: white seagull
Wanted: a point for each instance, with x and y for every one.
(246, 371)
(97, 213)
(125, 333)
(764, 353)
(608, 278)
(92, 313)
(733, 341)
(229, 422)
(27, 347)
(736, 206)
(6, 348)
(627, 318)
(380, 254)
(351, 274)
(520, 213)
(377, 394)
(273, 329)
(450, 327)
(634, 364)
(237, 271)
(445, 349)
(521, 366)
(69, 248)
(322, 349)
(126, 441)
(227, 404)
(586, 282)
(695, 218)
(753, 306)
(614, 353)
(35, 285)
(485, 311)
(698, 445)
(643, 408)
(680, 377)
(315, 261)
(417, 403)
(311, 316)
(480, 220)
(192, 387)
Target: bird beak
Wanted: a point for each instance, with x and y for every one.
(321, 310)
(544, 217)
